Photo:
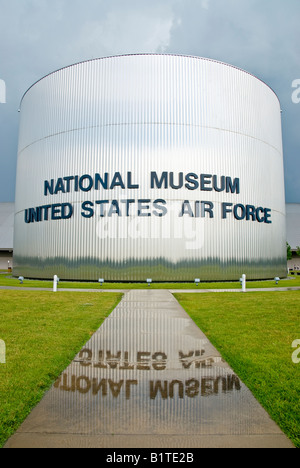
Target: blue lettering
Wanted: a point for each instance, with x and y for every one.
(207, 207)
(141, 207)
(114, 209)
(60, 187)
(226, 208)
(128, 203)
(205, 179)
(238, 216)
(268, 212)
(66, 211)
(180, 181)
(117, 181)
(56, 212)
(215, 184)
(88, 209)
(193, 180)
(258, 217)
(27, 216)
(101, 203)
(186, 209)
(130, 185)
(158, 183)
(157, 206)
(48, 187)
(232, 187)
(250, 213)
(90, 183)
(99, 180)
(68, 180)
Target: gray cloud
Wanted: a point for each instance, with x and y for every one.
(39, 36)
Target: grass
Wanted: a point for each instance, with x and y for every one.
(8, 280)
(254, 334)
(42, 332)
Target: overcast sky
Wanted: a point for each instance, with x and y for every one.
(40, 36)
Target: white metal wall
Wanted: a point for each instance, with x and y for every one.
(144, 113)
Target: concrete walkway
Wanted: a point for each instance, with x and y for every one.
(148, 378)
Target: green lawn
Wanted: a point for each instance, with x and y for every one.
(254, 333)
(42, 332)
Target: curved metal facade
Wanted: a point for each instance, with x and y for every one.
(150, 166)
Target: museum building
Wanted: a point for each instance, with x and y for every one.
(150, 166)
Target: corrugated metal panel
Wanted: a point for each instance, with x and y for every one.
(151, 113)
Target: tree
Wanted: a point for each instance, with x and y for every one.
(289, 251)
(298, 250)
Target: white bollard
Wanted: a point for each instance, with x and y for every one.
(244, 283)
(55, 281)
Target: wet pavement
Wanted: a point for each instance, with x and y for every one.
(148, 378)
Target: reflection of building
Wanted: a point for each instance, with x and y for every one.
(150, 166)
(293, 233)
(6, 234)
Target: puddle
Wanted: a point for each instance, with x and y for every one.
(148, 370)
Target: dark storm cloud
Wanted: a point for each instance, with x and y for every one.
(39, 36)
